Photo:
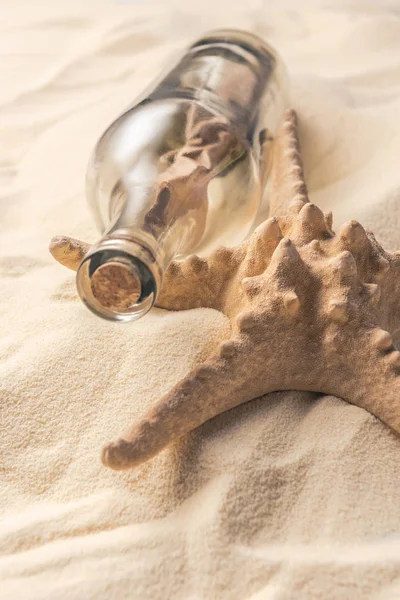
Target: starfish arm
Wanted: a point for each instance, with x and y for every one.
(68, 251)
(373, 381)
(391, 295)
(210, 389)
(191, 283)
(199, 282)
(288, 187)
(367, 376)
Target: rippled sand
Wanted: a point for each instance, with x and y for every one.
(294, 497)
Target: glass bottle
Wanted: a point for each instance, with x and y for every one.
(182, 170)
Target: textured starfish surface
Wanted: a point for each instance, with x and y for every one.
(310, 309)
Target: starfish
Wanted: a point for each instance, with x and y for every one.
(310, 309)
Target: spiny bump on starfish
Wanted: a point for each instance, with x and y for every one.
(382, 339)
(246, 321)
(353, 237)
(373, 292)
(221, 256)
(195, 264)
(345, 264)
(251, 286)
(383, 267)
(309, 310)
(204, 371)
(260, 247)
(315, 245)
(310, 225)
(228, 349)
(394, 359)
(291, 302)
(329, 221)
(338, 311)
(285, 262)
(175, 269)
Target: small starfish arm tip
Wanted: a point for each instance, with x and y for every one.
(68, 251)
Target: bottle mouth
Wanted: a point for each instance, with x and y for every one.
(118, 280)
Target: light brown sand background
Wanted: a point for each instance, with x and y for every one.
(293, 496)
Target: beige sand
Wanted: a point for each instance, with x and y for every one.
(294, 498)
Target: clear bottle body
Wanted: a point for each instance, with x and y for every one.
(181, 171)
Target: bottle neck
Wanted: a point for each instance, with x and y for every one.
(120, 277)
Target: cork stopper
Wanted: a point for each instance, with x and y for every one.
(116, 285)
